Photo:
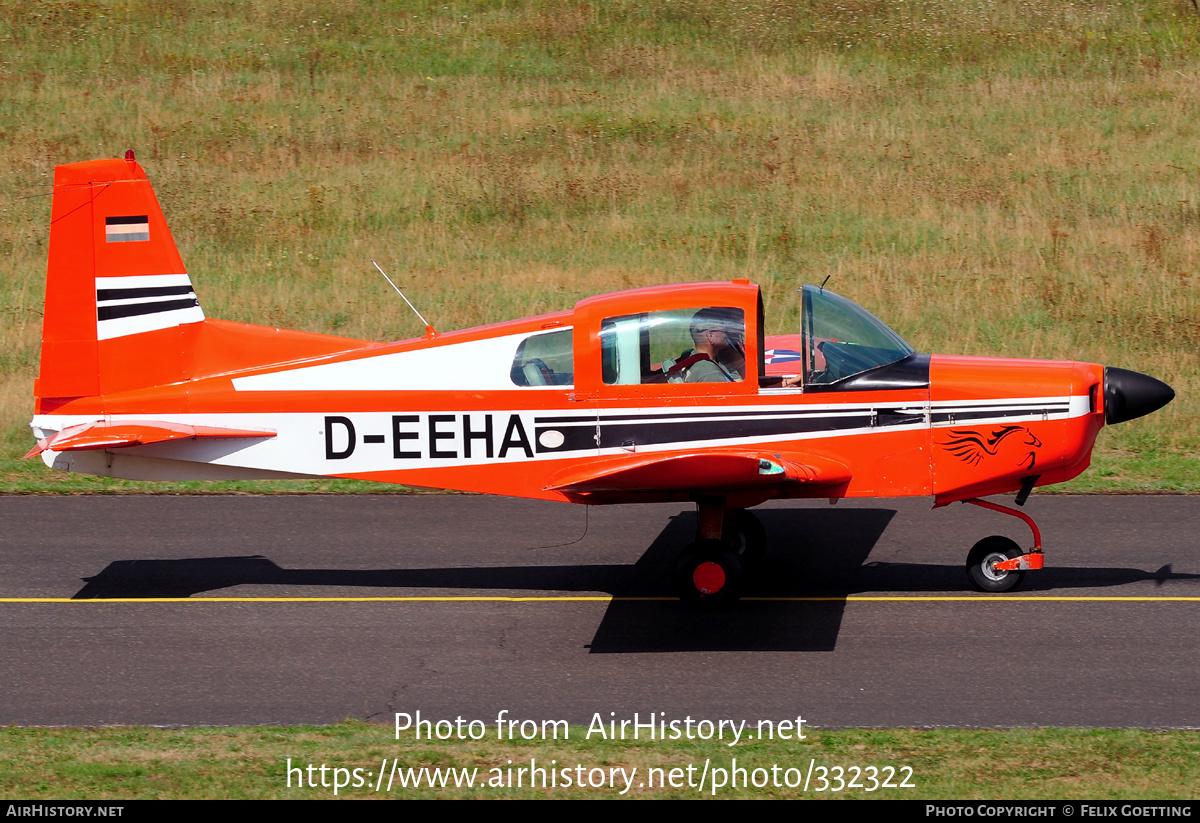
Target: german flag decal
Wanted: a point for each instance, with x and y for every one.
(130, 229)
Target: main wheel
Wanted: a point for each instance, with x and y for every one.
(708, 573)
(745, 535)
(982, 560)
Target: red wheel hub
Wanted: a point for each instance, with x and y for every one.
(709, 578)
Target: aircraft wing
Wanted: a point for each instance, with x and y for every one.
(104, 435)
(700, 472)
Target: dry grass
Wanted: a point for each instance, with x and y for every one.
(994, 177)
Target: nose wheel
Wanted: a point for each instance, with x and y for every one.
(983, 560)
(997, 564)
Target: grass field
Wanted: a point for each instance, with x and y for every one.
(989, 177)
(1057, 764)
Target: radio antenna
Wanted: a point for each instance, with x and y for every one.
(429, 330)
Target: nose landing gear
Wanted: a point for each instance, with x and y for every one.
(997, 564)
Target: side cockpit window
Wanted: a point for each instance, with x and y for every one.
(697, 345)
(545, 360)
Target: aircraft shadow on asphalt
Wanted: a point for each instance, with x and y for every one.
(814, 553)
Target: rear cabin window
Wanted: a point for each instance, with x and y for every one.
(697, 345)
(545, 360)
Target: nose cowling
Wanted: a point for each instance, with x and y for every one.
(1130, 394)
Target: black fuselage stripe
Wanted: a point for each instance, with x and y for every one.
(132, 220)
(580, 438)
(956, 417)
(145, 291)
(905, 414)
(617, 418)
(612, 436)
(115, 312)
(579, 433)
(746, 415)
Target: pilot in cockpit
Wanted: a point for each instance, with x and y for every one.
(719, 355)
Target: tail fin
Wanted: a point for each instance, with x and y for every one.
(120, 309)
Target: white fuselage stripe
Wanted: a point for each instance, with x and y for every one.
(438, 438)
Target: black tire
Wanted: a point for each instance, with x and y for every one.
(986, 553)
(745, 536)
(708, 573)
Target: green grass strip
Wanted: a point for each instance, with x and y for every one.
(254, 762)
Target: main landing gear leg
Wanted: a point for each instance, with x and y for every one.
(709, 571)
(745, 534)
(997, 564)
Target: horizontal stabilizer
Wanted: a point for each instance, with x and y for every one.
(705, 471)
(102, 435)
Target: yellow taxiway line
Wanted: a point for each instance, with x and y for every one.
(609, 599)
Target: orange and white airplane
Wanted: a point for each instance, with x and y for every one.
(661, 394)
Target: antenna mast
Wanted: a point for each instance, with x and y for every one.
(429, 330)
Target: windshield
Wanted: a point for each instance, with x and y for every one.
(841, 339)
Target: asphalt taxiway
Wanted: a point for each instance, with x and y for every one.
(183, 610)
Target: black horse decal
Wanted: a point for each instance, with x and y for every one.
(972, 447)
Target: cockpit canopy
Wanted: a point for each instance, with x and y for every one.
(710, 337)
(841, 340)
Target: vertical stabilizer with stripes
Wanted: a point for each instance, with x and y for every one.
(120, 309)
